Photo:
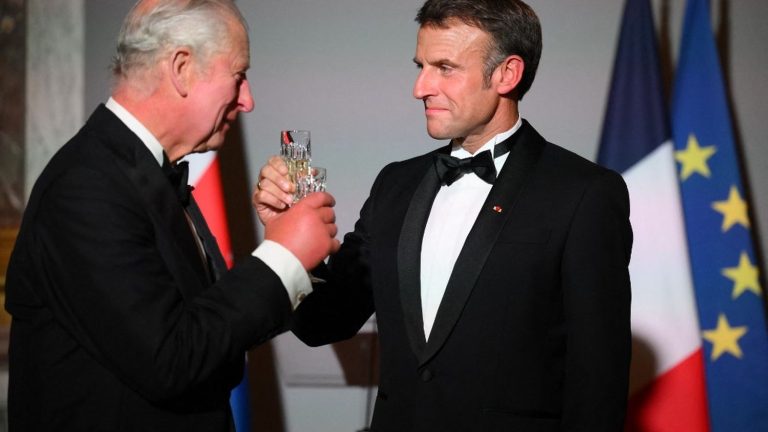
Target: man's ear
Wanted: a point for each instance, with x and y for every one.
(181, 69)
(510, 74)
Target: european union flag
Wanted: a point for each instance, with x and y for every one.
(723, 261)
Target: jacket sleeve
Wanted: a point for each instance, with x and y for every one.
(596, 290)
(337, 309)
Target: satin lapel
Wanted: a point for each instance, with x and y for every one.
(161, 202)
(409, 256)
(524, 153)
(215, 259)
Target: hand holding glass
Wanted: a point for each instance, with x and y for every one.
(296, 151)
(295, 148)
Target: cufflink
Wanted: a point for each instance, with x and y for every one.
(301, 297)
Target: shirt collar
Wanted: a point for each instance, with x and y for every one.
(459, 152)
(137, 128)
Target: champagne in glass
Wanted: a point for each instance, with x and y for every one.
(295, 148)
(312, 181)
(297, 168)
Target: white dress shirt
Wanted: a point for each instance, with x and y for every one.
(451, 218)
(287, 267)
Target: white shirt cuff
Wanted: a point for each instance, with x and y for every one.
(287, 267)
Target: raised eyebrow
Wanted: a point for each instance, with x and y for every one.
(446, 62)
(439, 62)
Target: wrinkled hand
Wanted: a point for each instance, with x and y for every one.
(273, 194)
(307, 229)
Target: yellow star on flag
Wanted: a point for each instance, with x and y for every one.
(725, 338)
(734, 210)
(694, 158)
(744, 276)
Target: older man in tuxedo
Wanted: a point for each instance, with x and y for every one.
(124, 315)
(496, 265)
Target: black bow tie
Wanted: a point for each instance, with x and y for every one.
(450, 168)
(178, 175)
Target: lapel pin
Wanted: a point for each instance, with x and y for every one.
(497, 209)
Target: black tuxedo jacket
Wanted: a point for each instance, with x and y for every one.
(116, 326)
(533, 331)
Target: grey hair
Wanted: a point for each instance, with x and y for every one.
(147, 34)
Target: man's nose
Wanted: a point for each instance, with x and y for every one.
(423, 86)
(245, 98)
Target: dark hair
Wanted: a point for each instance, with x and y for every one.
(512, 25)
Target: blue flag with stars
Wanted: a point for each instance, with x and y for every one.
(724, 265)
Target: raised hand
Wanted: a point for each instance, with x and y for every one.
(307, 229)
(273, 193)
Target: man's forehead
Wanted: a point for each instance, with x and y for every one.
(239, 44)
(452, 38)
(239, 57)
(450, 23)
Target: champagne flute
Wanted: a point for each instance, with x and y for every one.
(296, 151)
(311, 181)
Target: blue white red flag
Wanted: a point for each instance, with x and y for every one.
(205, 176)
(667, 376)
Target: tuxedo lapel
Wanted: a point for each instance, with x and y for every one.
(525, 150)
(162, 201)
(213, 254)
(409, 255)
(135, 160)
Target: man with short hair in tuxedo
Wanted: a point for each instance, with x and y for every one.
(125, 317)
(496, 265)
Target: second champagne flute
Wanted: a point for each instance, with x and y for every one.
(296, 150)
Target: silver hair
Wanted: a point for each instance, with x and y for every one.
(200, 25)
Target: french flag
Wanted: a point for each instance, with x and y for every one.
(205, 177)
(667, 381)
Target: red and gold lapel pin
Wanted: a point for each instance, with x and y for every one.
(497, 209)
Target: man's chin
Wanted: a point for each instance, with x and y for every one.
(438, 134)
(213, 144)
